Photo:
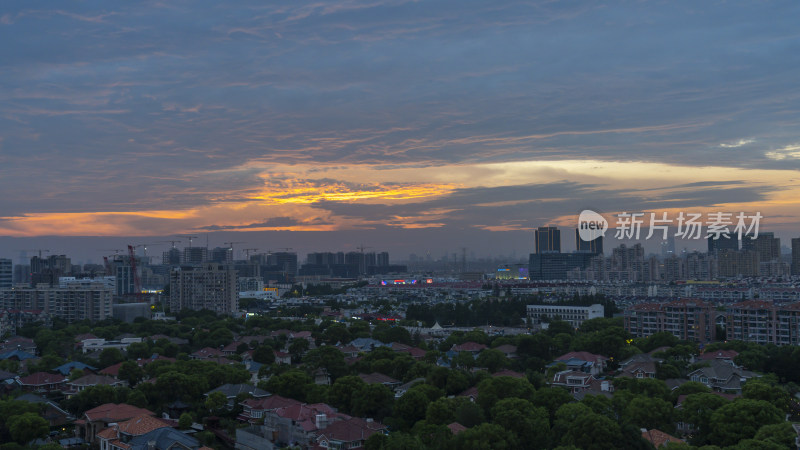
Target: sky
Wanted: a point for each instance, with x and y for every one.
(413, 126)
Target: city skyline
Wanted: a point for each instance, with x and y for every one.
(392, 124)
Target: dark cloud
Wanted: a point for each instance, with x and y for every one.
(148, 105)
(272, 222)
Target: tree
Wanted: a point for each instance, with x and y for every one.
(493, 360)
(529, 423)
(493, 389)
(185, 421)
(757, 389)
(486, 436)
(297, 348)
(572, 421)
(291, 384)
(650, 413)
(780, 433)
(741, 419)
(326, 357)
(411, 407)
(27, 426)
(696, 410)
(343, 390)
(551, 399)
(216, 401)
(374, 400)
(110, 356)
(264, 354)
(336, 333)
(131, 372)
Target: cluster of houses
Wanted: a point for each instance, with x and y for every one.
(272, 420)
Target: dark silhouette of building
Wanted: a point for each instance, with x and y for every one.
(548, 240)
(595, 246)
(722, 243)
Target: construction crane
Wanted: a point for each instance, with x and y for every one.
(248, 250)
(171, 242)
(137, 283)
(285, 248)
(144, 248)
(189, 237)
(230, 246)
(39, 250)
(107, 265)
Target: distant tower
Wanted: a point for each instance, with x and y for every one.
(595, 246)
(796, 256)
(548, 240)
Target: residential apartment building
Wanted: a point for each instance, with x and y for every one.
(71, 302)
(575, 315)
(209, 286)
(688, 319)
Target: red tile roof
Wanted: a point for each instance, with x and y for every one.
(468, 347)
(659, 439)
(42, 379)
(456, 427)
(112, 412)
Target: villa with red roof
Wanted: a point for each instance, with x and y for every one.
(349, 433)
(98, 418)
(117, 436)
(583, 362)
(472, 347)
(42, 382)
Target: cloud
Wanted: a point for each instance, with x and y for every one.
(737, 144)
(788, 152)
(271, 223)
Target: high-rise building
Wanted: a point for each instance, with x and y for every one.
(548, 240)
(48, 270)
(595, 246)
(72, 302)
(125, 282)
(796, 256)
(222, 255)
(171, 257)
(766, 245)
(687, 319)
(209, 286)
(732, 263)
(194, 255)
(722, 243)
(6, 273)
(22, 274)
(383, 259)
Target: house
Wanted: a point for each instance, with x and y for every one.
(403, 388)
(66, 369)
(658, 438)
(509, 350)
(255, 437)
(233, 390)
(51, 411)
(300, 424)
(207, 353)
(282, 357)
(165, 439)
(120, 436)
(583, 362)
(17, 355)
(366, 344)
(349, 433)
(253, 409)
(573, 380)
(470, 393)
(42, 382)
(722, 376)
(456, 428)
(642, 365)
(113, 370)
(379, 378)
(509, 373)
(75, 386)
(92, 345)
(19, 343)
(100, 417)
(722, 355)
(472, 347)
